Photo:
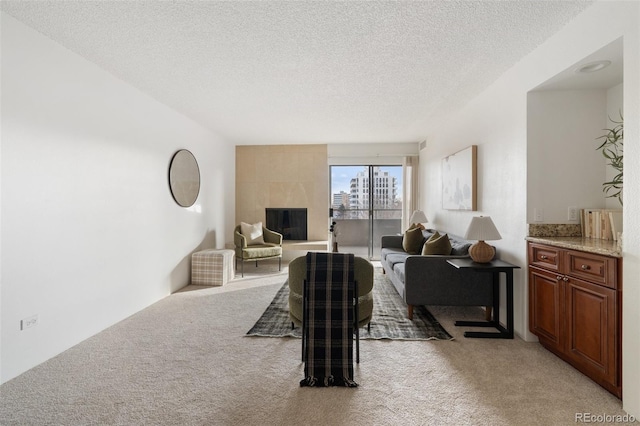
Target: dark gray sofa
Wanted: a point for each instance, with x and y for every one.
(430, 280)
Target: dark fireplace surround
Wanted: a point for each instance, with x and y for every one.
(290, 222)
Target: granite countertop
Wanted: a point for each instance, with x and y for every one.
(590, 245)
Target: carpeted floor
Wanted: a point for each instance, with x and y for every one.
(389, 319)
(186, 361)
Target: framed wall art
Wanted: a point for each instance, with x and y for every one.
(459, 180)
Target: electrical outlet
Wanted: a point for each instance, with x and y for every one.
(29, 322)
(538, 215)
(572, 213)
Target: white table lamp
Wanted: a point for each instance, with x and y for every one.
(482, 229)
(418, 217)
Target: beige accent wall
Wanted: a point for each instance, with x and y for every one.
(281, 176)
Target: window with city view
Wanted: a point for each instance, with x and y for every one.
(366, 203)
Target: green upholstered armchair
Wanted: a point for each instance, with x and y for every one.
(271, 249)
(363, 274)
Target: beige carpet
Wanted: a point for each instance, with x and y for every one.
(186, 361)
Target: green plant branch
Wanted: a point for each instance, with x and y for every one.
(613, 149)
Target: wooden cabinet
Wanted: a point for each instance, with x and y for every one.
(575, 304)
(546, 307)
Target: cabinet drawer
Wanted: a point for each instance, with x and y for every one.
(592, 267)
(545, 257)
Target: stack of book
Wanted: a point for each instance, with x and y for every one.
(601, 223)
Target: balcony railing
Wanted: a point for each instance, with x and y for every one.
(354, 232)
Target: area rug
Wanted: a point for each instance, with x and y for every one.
(389, 319)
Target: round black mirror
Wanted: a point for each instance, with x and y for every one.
(184, 178)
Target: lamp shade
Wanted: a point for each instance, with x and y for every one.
(482, 228)
(418, 216)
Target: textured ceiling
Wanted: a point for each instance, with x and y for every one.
(304, 72)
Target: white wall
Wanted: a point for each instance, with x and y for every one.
(631, 214)
(496, 121)
(564, 168)
(90, 232)
(568, 123)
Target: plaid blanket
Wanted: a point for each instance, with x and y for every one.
(329, 320)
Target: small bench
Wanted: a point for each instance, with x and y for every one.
(212, 267)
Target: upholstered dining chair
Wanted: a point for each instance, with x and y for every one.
(268, 245)
(363, 274)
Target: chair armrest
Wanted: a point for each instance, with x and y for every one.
(430, 280)
(425, 274)
(363, 273)
(297, 274)
(272, 237)
(239, 240)
(417, 266)
(392, 241)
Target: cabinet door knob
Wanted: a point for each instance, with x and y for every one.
(584, 267)
(565, 279)
(559, 277)
(543, 257)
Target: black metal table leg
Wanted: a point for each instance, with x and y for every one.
(495, 268)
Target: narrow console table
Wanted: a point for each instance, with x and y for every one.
(494, 267)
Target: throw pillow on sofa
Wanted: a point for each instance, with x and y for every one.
(460, 248)
(437, 244)
(412, 240)
(253, 233)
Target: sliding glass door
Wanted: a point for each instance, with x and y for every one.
(366, 203)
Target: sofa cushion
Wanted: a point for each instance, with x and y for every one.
(437, 244)
(395, 258)
(384, 252)
(412, 240)
(390, 250)
(398, 269)
(460, 247)
(252, 232)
